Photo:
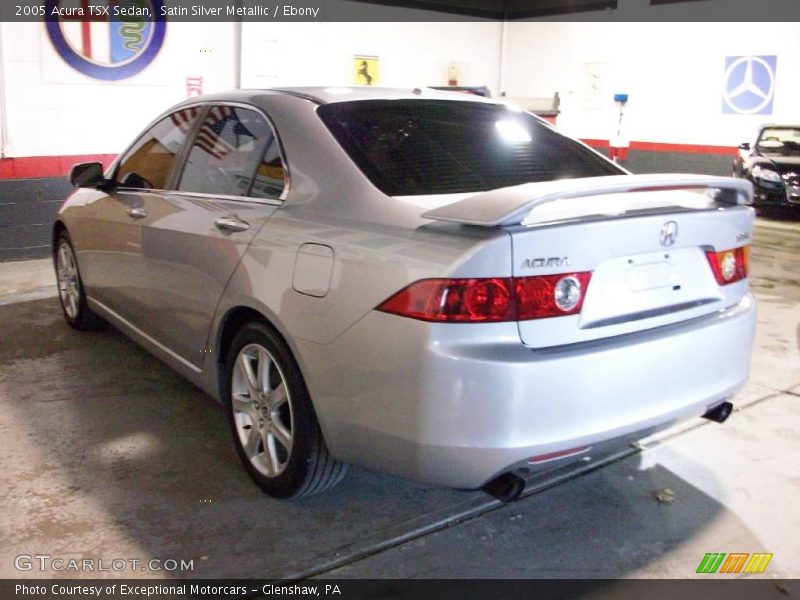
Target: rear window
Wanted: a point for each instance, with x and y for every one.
(411, 147)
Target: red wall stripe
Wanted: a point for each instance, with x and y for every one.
(664, 147)
(684, 148)
(30, 167)
(598, 144)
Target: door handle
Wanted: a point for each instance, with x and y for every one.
(230, 224)
(137, 213)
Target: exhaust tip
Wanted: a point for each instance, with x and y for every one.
(506, 488)
(719, 413)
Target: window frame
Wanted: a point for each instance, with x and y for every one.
(182, 156)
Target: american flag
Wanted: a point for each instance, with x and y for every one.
(222, 132)
(183, 119)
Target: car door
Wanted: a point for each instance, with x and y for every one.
(110, 230)
(232, 181)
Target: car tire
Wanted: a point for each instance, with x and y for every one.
(70, 288)
(275, 429)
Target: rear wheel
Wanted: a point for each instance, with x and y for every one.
(275, 430)
(70, 288)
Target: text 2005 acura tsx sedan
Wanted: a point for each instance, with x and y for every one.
(431, 285)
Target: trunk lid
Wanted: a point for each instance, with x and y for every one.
(636, 282)
(643, 238)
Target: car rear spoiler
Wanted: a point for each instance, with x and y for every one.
(510, 205)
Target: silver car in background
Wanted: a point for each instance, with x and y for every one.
(428, 284)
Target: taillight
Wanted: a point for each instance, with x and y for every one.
(454, 300)
(729, 266)
(490, 300)
(550, 295)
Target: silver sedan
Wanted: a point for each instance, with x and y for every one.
(432, 285)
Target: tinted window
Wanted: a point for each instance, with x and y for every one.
(232, 145)
(409, 147)
(148, 163)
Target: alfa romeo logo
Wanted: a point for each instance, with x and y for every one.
(106, 39)
(749, 85)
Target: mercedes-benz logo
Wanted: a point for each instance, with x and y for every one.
(668, 234)
(749, 85)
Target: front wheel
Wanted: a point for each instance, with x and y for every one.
(275, 430)
(70, 288)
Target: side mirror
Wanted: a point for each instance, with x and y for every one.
(745, 146)
(87, 175)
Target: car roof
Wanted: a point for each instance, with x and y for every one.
(334, 94)
(329, 95)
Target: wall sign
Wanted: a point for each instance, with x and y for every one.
(194, 86)
(366, 70)
(109, 41)
(749, 85)
(595, 86)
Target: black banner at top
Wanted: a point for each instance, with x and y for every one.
(399, 10)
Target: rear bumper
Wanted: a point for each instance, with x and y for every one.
(457, 405)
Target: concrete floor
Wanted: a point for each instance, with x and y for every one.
(108, 454)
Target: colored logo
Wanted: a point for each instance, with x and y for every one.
(736, 562)
(106, 40)
(749, 85)
(366, 70)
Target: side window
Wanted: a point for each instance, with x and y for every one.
(148, 163)
(233, 147)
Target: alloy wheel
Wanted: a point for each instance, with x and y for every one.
(262, 410)
(68, 283)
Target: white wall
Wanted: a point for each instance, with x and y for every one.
(54, 110)
(2, 99)
(673, 73)
(411, 54)
(51, 109)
